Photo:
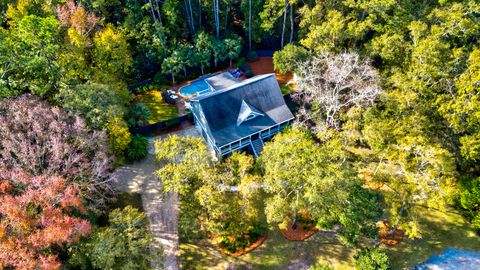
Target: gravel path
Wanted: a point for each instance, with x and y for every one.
(160, 208)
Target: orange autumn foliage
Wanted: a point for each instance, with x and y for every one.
(36, 215)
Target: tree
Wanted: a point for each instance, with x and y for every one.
(288, 186)
(204, 48)
(219, 51)
(97, 103)
(335, 83)
(414, 172)
(185, 159)
(372, 258)
(217, 19)
(157, 18)
(111, 55)
(250, 10)
(126, 243)
(314, 179)
(272, 10)
(36, 216)
(287, 59)
(228, 194)
(45, 141)
(29, 53)
(173, 64)
(461, 109)
(233, 48)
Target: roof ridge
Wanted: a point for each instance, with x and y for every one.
(237, 86)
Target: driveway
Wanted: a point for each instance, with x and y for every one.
(160, 208)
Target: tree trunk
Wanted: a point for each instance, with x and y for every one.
(226, 15)
(185, 72)
(294, 222)
(201, 68)
(230, 62)
(173, 78)
(284, 22)
(158, 30)
(291, 23)
(217, 19)
(191, 14)
(395, 226)
(249, 25)
(199, 14)
(188, 17)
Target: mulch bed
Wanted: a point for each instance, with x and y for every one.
(389, 239)
(264, 65)
(299, 234)
(246, 250)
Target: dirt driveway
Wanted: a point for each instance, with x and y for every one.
(160, 208)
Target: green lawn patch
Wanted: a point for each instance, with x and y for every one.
(159, 109)
(275, 253)
(442, 230)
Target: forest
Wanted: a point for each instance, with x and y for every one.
(387, 126)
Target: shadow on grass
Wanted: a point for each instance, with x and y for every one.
(441, 230)
(275, 253)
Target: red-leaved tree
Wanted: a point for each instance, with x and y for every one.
(35, 216)
(41, 140)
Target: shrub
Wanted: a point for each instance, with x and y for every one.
(138, 115)
(124, 244)
(138, 148)
(119, 136)
(372, 258)
(252, 56)
(241, 241)
(148, 87)
(470, 201)
(96, 103)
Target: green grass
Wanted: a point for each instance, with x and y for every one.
(441, 231)
(159, 109)
(287, 89)
(275, 253)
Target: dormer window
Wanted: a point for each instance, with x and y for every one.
(247, 112)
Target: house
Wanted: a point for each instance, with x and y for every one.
(240, 115)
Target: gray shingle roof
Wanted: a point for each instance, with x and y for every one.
(222, 80)
(221, 108)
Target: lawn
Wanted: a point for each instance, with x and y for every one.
(275, 253)
(442, 230)
(159, 109)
